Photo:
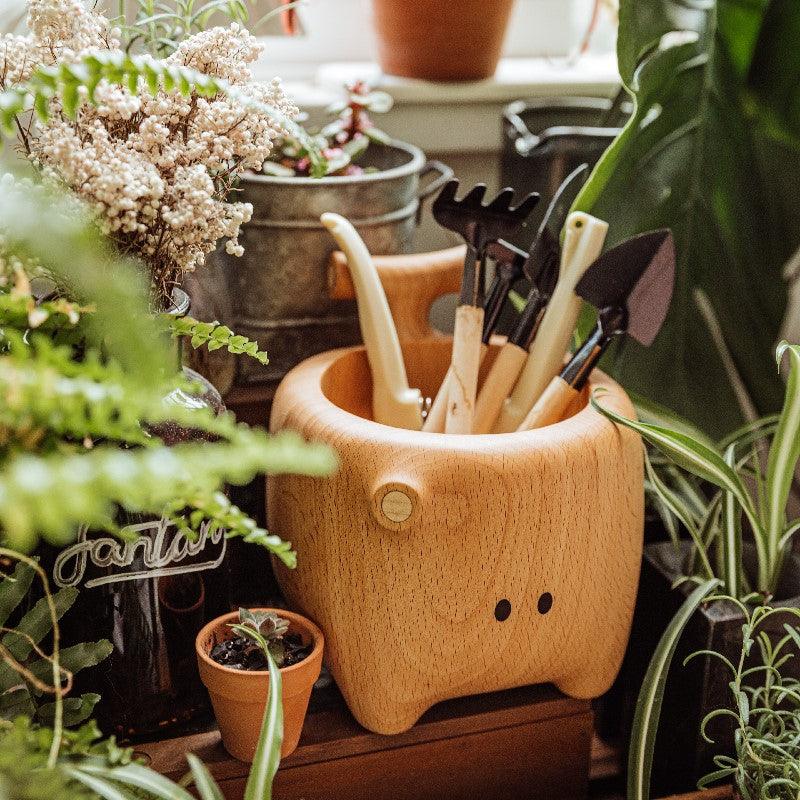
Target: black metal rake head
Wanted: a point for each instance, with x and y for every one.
(477, 223)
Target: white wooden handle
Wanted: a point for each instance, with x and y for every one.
(499, 382)
(434, 421)
(393, 402)
(465, 363)
(583, 242)
(551, 405)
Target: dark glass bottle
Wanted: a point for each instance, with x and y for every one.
(149, 597)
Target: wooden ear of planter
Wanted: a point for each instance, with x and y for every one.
(440, 565)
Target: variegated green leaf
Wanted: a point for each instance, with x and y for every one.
(732, 535)
(651, 696)
(268, 751)
(206, 786)
(693, 456)
(783, 456)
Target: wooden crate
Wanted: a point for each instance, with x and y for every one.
(524, 744)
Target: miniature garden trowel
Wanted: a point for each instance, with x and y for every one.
(631, 285)
(541, 269)
(478, 224)
(509, 268)
(393, 402)
(584, 236)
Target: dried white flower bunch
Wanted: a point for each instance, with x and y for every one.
(156, 170)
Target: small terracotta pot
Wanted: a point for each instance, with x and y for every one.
(430, 40)
(239, 697)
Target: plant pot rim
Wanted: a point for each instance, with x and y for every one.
(415, 165)
(314, 374)
(297, 619)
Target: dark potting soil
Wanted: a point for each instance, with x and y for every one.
(243, 653)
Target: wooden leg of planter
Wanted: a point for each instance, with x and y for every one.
(530, 743)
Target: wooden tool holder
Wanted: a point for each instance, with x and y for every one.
(439, 565)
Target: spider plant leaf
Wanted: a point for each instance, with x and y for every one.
(732, 535)
(784, 451)
(206, 786)
(701, 460)
(650, 411)
(138, 777)
(100, 786)
(693, 157)
(651, 696)
(675, 503)
(268, 750)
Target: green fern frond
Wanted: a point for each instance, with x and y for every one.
(215, 336)
(55, 493)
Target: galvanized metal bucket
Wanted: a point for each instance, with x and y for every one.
(278, 290)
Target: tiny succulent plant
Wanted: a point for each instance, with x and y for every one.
(259, 633)
(342, 142)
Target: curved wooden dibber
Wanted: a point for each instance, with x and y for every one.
(412, 282)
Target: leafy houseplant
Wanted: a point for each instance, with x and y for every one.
(716, 494)
(762, 702)
(714, 156)
(237, 684)
(62, 418)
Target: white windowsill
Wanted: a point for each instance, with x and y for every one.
(458, 117)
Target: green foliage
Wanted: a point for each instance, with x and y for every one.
(712, 151)
(26, 671)
(651, 696)
(159, 26)
(765, 706)
(78, 421)
(137, 73)
(24, 771)
(742, 488)
(215, 336)
(266, 629)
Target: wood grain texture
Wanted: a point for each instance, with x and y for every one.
(412, 283)
(408, 607)
(462, 386)
(497, 386)
(528, 743)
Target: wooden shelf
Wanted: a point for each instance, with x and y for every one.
(523, 743)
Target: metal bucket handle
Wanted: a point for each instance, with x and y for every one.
(445, 174)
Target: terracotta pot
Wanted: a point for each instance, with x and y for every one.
(440, 41)
(239, 697)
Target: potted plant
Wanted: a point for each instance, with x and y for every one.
(66, 408)
(718, 494)
(278, 290)
(763, 705)
(439, 41)
(122, 134)
(232, 657)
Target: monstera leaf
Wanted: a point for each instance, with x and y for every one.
(710, 153)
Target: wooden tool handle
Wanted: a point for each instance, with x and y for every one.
(465, 364)
(583, 241)
(551, 406)
(412, 283)
(434, 421)
(499, 382)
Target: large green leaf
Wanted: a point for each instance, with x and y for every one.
(693, 158)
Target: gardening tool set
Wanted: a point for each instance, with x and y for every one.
(527, 385)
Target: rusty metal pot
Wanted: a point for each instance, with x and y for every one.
(277, 292)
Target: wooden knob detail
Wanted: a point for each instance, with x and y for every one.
(395, 505)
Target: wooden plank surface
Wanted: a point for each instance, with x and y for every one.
(523, 743)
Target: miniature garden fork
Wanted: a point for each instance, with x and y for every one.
(478, 224)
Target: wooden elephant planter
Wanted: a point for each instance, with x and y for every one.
(446, 565)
